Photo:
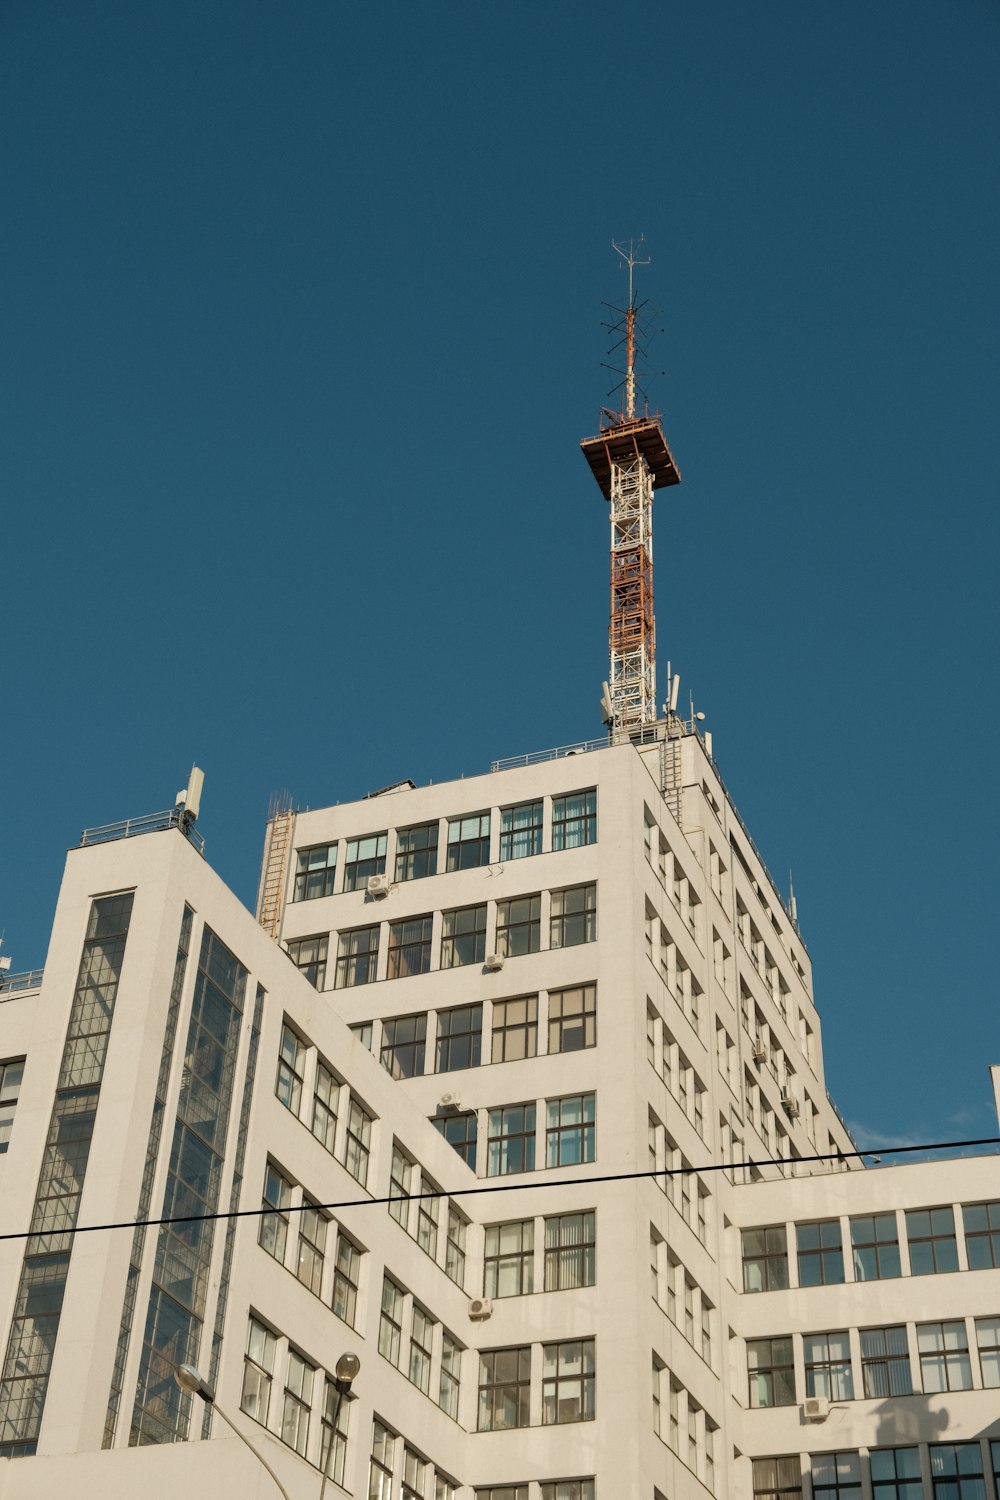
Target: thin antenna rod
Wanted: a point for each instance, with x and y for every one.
(631, 259)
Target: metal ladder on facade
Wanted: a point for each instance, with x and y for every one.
(271, 897)
(672, 776)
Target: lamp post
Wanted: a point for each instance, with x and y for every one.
(195, 1384)
(345, 1371)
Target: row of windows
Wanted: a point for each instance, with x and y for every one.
(571, 919)
(572, 824)
(944, 1471)
(677, 1179)
(670, 872)
(562, 1257)
(661, 950)
(413, 1341)
(562, 1020)
(294, 1398)
(683, 1424)
(830, 1363)
(675, 1290)
(11, 1073)
(551, 1489)
(562, 1390)
(397, 1468)
(313, 1093)
(877, 1251)
(670, 1063)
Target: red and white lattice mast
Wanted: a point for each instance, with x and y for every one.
(630, 459)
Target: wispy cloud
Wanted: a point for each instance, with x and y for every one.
(870, 1139)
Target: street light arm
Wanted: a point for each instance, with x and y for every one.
(258, 1456)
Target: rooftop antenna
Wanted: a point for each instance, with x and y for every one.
(188, 801)
(631, 259)
(793, 911)
(630, 459)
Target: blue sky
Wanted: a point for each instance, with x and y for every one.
(301, 330)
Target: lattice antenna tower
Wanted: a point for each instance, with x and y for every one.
(630, 459)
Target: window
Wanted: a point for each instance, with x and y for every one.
(312, 1247)
(957, 1471)
(414, 1474)
(11, 1073)
(777, 1478)
(930, 1233)
(454, 1249)
(510, 1144)
(509, 1259)
(765, 1259)
(944, 1356)
(421, 1342)
(258, 1368)
(273, 1234)
(504, 1388)
(570, 1241)
(503, 1492)
(357, 957)
(297, 1402)
(828, 1366)
(574, 820)
(515, 1029)
(570, 1130)
(896, 1474)
(459, 1040)
(568, 1381)
(333, 1407)
(821, 1257)
(346, 1274)
(365, 857)
(309, 957)
(875, 1243)
(324, 1111)
(402, 1051)
(573, 1018)
(568, 1489)
(988, 1340)
(519, 926)
(463, 938)
(521, 830)
(380, 1470)
(885, 1362)
(390, 1326)
(460, 1131)
(410, 947)
(399, 1186)
(363, 1031)
(573, 916)
(315, 870)
(771, 1372)
(836, 1476)
(469, 842)
(982, 1234)
(291, 1066)
(427, 1212)
(451, 1368)
(358, 1142)
(417, 852)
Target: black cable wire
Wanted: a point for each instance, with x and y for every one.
(499, 1187)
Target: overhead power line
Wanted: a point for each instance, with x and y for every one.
(501, 1187)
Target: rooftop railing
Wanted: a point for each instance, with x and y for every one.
(20, 984)
(536, 757)
(130, 828)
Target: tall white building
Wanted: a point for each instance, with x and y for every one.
(559, 1017)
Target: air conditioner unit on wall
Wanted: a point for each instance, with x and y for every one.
(790, 1103)
(759, 1053)
(494, 961)
(378, 885)
(450, 1101)
(815, 1409)
(480, 1308)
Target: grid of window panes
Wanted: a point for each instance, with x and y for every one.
(390, 1326)
(403, 1042)
(459, 1038)
(570, 1251)
(570, 1130)
(875, 1246)
(324, 1110)
(410, 947)
(365, 858)
(568, 1489)
(297, 1402)
(574, 820)
(510, 1142)
(346, 1273)
(454, 1246)
(417, 852)
(312, 1247)
(895, 1474)
(399, 1185)
(821, 1256)
(291, 1067)
(334, 1409)
(988, 1342)
(765, 1259)
(380, 1466)
(357, 957)
(11, 1073)
(771, 1372)
(573, 916)
(508, 1264)
(885, 1362)
(308, 954)
(421, 1343)
(943, 1349)
(573, 1018)
(828, 1366)
(469, 842)
(504, 1388)
(836, 1476)
(463, 936)
(982, 1235)
(258, 1370)
(568, 1381)
(277, 1198)
(930, 1234)
(460, 1131)
(957, 1471)
(521, 830)
(357, 1145)
(777, 1478)
(519, 926)
(315, 872)
(514, 1029)
(451, 1368)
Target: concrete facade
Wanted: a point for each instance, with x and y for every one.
(589, 1039)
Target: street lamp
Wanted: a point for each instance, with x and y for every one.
(345, 1372)
(194, 1384)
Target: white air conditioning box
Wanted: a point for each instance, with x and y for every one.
(450, 1101)
(815, 1409)
(378, 885)
(481, 1308)
(494, 961)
